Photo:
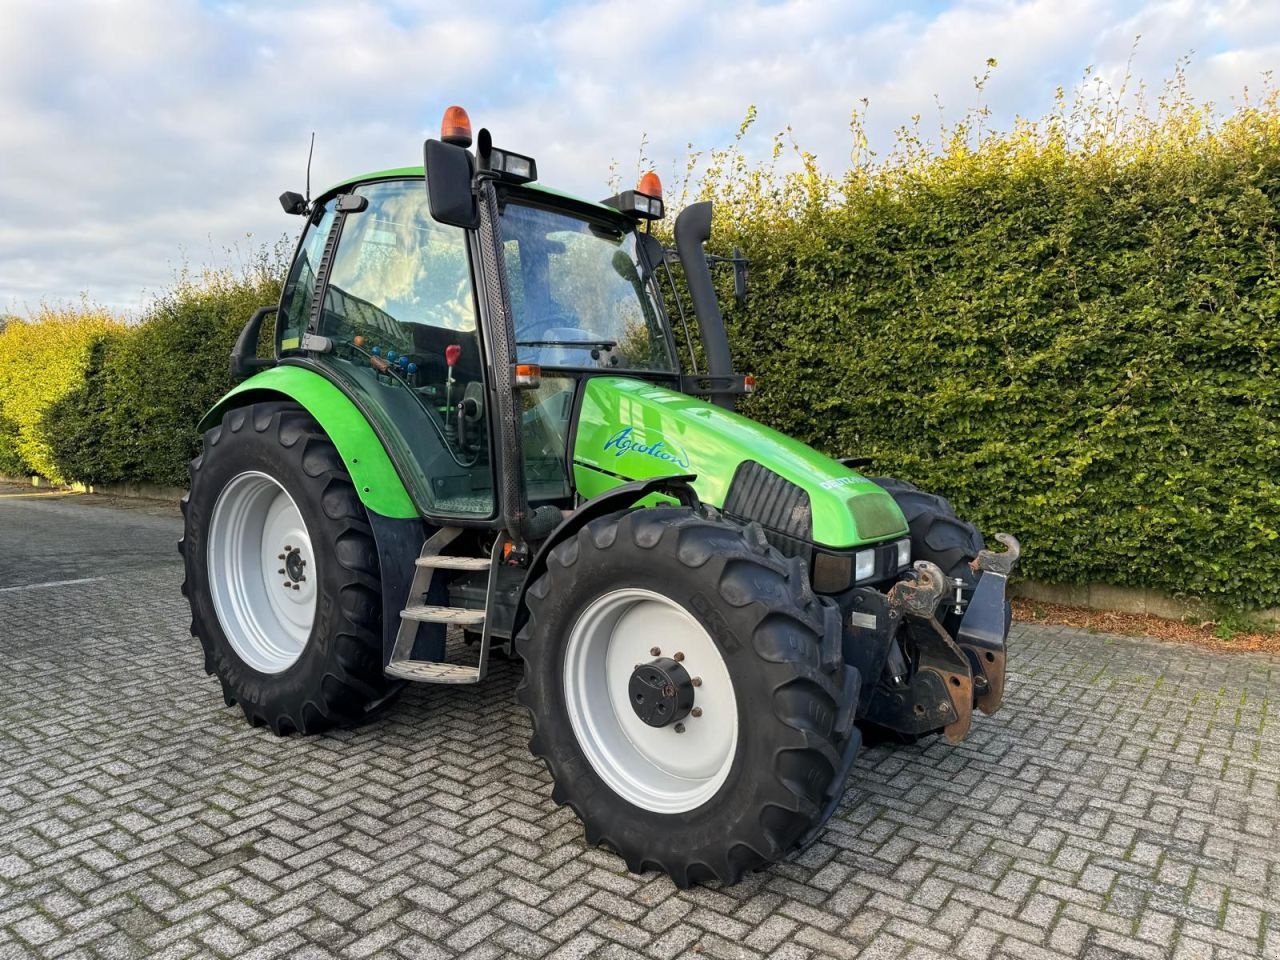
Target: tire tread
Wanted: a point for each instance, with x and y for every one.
(804, 764)
(353, 677)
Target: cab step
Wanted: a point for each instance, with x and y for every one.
(441, 562)
(425, 672)
(462, 616)
(402, 665)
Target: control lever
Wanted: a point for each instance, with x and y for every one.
(451, 354)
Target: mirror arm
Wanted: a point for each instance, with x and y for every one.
(245, 361)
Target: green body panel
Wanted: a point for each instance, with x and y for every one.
(372, 472)
(633, 430)
(404, 172)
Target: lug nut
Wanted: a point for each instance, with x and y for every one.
(281, 557)
(678, 728)
(296, 587)
(654, 652)
(695, 712)
(287, 548)
(679, 656)
(281, 571)
(696, 681)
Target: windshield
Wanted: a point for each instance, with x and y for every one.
(577, 295)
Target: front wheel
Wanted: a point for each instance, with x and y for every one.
(937, 534)
(685, 694)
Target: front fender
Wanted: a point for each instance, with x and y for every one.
(611, 501)
(377, 483)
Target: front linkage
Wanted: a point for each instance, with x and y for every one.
(918, 677)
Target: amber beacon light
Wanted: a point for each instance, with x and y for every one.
(455, 128)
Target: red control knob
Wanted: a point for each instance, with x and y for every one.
(451, 354)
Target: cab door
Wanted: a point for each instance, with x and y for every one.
(398, 304)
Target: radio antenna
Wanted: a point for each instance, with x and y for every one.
(310, 151)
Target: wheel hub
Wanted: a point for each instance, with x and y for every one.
(661, 692)
(294, 565)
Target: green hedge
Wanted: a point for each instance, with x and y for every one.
(1076, 343)
(1070, 330)
(41, 361)
(133, 417)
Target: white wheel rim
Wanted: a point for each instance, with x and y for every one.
(654, 768)
(257, 530)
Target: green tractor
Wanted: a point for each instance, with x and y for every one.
(477, 437)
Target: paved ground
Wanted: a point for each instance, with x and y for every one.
(1124, 803)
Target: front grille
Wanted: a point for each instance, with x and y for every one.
(781, 507)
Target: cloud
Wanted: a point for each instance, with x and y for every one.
(140, 132)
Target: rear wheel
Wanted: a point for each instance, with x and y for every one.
(282, 572)
(685, 694)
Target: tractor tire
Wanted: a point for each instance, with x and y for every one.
(758, 763)
(299, 650)
(937, 534)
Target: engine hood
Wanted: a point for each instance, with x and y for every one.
(633, 430)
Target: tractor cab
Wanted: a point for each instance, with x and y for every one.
(389, 295)
(479, 433)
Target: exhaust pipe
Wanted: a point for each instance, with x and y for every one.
(693, 229)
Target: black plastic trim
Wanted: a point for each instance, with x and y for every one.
(399, 542)
(611, 501)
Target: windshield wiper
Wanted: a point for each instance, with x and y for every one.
(585, 344)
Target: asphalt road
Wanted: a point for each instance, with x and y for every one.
(1124, 803)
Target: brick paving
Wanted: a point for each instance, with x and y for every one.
(1124, 803)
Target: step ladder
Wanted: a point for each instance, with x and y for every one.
(402, 665)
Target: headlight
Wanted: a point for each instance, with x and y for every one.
(904, 553)
(864, 565)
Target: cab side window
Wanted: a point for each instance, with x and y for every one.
(300, 287)
(401, 280)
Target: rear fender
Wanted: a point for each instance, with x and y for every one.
(376, 481)
(397, 528)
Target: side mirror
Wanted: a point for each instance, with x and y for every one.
(449, 196)
(245, 361)
(739, 276)
(651, 252)
(293, 203)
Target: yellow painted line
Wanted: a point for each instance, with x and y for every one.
(60, 493)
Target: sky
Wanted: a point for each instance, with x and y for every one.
(140, 135)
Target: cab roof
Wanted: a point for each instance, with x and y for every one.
(419, 171)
